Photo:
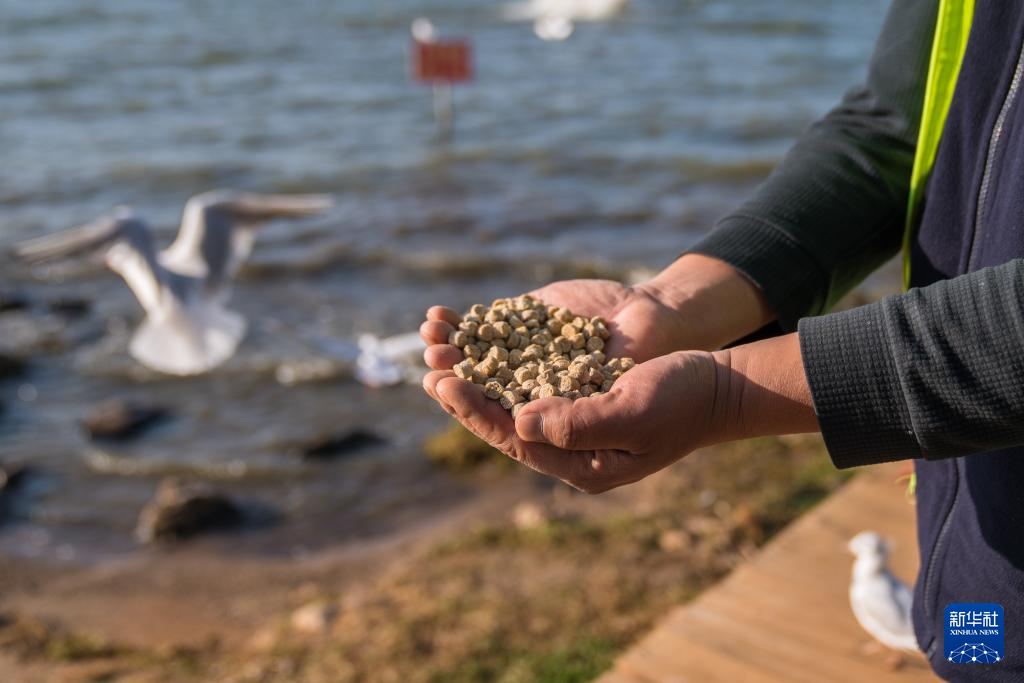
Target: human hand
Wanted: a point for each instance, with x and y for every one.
(696, 303)
(654, 414)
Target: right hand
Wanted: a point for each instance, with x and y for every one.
(697, 303)
(655, 414)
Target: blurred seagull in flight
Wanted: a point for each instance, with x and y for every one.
(555, 19)
(183, 289)
(880, 601)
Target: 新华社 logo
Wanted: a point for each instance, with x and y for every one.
(974, 633)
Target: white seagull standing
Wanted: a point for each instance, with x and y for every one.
(184, 288)
(555, 19)
(880, 601)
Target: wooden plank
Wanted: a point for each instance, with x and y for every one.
(663, 658)
(784, 616)
(615, 676)
(783, 655)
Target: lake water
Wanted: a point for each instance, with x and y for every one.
(601, 155)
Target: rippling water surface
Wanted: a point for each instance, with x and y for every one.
(601, 155)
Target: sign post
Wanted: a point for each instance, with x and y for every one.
(441, 63)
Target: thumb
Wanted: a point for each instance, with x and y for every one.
(592, 423)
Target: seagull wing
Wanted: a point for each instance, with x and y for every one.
(123, 241)
(216, 230)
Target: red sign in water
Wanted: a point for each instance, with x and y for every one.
(447, 61)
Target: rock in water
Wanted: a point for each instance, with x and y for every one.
(332, 445)
(13, 301)
(117, 419)
(181, 510)
(11, 366)
(12, 478)
(69, 306)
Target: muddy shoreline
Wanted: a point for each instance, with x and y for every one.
(658, 542)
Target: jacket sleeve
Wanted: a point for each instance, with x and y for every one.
(936, 372)
(833, 209)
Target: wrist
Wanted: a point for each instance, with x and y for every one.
(715, 303)
(762, 390)
(698, 383)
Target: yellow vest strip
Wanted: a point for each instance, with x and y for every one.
(952, 28)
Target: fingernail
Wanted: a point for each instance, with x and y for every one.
(530, 427)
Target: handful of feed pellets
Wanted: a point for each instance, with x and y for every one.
(520, 350)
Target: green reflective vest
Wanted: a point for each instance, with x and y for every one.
(952, 27)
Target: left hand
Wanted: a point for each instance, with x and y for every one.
(643, 326)
(655, 414)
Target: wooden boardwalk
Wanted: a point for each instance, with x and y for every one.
(784, 616)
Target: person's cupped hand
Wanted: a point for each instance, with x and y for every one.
(642, 327)
(655, 414)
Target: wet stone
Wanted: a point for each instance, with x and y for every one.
(13, 301)
(327, 446)
(118, 419)
(11, 366)
(69, 306)
(12, 481)
(181, 510)
(12, 477)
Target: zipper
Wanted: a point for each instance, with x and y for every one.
(990, 158)
(933, 557)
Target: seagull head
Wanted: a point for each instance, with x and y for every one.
(868, 544)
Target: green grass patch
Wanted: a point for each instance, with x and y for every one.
(580, 661)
